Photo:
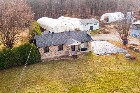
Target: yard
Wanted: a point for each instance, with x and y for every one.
(87, 74)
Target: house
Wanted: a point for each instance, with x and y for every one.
(68, 43)
(63, 24)
(112, 17)
(135, 29)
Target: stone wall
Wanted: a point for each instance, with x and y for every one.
(53, 51)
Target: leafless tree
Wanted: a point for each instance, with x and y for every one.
(15, 16)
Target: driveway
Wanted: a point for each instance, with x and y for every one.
(107, 37)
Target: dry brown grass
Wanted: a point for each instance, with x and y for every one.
(87, 74)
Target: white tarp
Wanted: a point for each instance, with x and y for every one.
(104, 47)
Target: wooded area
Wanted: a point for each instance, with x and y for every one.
(15, 16)
(81, 8)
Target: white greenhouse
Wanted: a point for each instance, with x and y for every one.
(112, 17)
(82, 24)
(55, 25)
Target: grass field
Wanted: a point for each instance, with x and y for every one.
(87, 74)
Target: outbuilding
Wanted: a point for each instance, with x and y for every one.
(112, 17)
(55, 25)
(82, 24)
(89, 24)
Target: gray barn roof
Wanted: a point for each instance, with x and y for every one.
(54, 39)
(89, 21)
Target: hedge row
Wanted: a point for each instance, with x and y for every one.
(18, 56)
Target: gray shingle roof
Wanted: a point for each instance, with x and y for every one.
(89, 21)
(54, 39)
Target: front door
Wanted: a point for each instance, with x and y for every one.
(73, 48)
(73, 51)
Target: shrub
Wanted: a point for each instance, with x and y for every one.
(18, 56)
(6, 58)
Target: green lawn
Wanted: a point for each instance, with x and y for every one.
(88, 74)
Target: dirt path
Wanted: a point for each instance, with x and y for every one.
(106, 37)
(112, 36)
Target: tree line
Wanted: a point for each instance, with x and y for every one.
(80, 8)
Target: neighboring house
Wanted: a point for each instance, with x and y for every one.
(112, 17)
(63, 24)
(69, 43)
(135, 29)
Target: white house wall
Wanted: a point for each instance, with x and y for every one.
(96, 26)
(87, 27)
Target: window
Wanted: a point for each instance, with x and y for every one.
(95, 23)
(60, 47)
(46, 49)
